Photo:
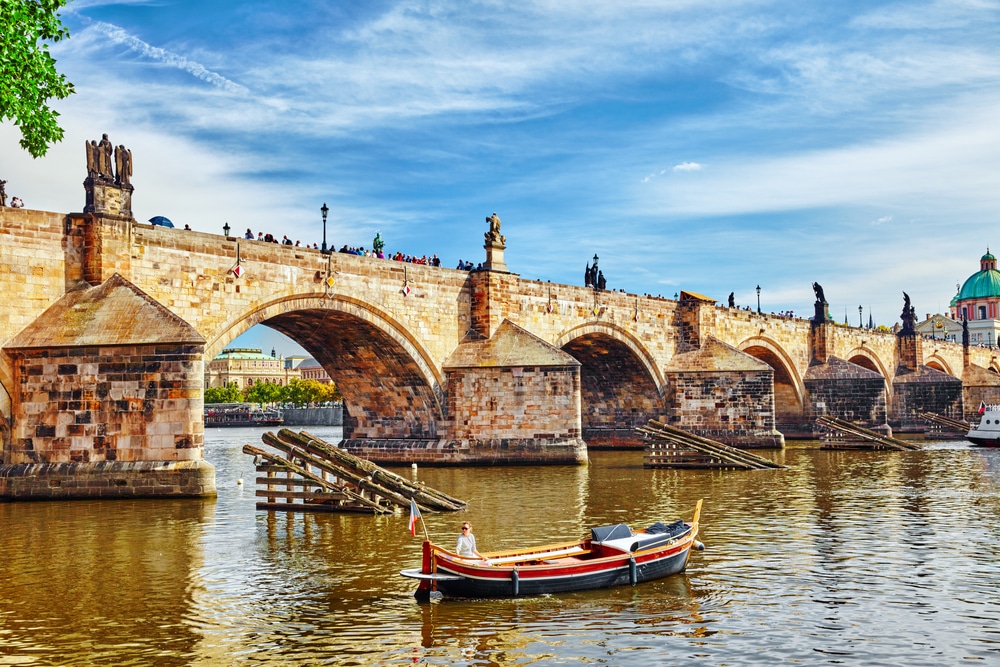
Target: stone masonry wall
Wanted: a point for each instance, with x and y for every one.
(846, 391)
(925, 390)
(119, 403)
(514, 403)
(736, 408)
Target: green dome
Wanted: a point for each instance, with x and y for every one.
(983, 284)
(988, 255)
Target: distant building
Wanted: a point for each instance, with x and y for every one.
(246, 367)
(310, 369)
(977, 301)
(941, 327)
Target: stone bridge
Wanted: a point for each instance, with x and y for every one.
(109, 324)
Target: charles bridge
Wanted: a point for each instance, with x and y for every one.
(109, 324)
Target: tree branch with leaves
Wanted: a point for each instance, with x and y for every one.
(28, 76)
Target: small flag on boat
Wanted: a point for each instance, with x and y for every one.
(982, 407)
(414, 517)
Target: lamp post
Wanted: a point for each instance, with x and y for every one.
(758, 299)
(324, 211)
(225, 229)
(861, 322)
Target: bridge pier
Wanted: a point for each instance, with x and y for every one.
(918, 388)
(107, 401)
(713, 389)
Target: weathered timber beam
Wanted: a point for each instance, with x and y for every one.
(316, 479)
(425, 497)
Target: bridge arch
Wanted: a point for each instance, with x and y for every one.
(937, 362)
(789, 391)
(391, 384)
(623, 337)
(864, 357)
(621, 386)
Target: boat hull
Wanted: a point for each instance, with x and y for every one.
(564, 580)
(983, 442)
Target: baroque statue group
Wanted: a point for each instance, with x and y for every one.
(109, 163)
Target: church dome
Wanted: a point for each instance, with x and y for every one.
(984, 284)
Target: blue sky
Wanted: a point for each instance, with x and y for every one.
(702, 145)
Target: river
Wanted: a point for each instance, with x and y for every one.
(845, 557)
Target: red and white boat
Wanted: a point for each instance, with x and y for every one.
(612, 556)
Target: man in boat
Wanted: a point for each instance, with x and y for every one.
(466, 545)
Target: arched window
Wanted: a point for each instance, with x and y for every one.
(982, 312)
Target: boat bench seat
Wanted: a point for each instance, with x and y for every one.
(546, 556)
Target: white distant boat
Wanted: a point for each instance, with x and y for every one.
(987, 434)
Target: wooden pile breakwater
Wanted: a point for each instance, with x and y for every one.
(310, 475)
(946, 426)
(842, 434)
(671, 447)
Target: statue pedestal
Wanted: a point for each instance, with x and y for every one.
(494, 256)
(106, 198)
(822, 313)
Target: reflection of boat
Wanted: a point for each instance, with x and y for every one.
(612, 556)
(987, 434)
(241, 414)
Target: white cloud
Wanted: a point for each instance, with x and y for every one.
(119, 36)
(881, 221)
(688, 166)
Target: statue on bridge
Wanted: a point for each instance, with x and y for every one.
(965, 332)
(908, 316)
(123, 165)
(593, 276)
(818, 290)
(3, 193)
(493, 236)
(822, 313)
(732, 299)
(108, 163)
(601, 282)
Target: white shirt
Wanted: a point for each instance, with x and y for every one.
(466, 545)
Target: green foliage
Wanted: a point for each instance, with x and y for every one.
(331, 393)
(228, 394)
(302, 392)
(28, 77)
(264, 392)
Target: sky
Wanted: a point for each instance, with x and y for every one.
(701, 145)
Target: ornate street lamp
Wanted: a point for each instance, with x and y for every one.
(758, 299)
(324, 211)
(861, 322)
(225, 229)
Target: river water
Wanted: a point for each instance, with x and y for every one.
(845, 557)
